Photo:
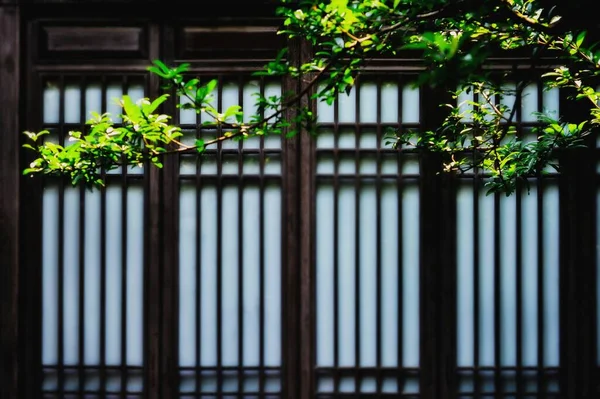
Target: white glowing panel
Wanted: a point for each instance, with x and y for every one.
(135, 274)
(92, 259)
(529, 103)
(410, 105)
(113, 276)
(114, 93)
(346, 228)
(325, 276)
(51, 103)
(230, 328)
(50, 212)
(71, 249)
(465, 271)
(241, 275)
(510, 276)
(390, 274)
(72, 104)
(347, 107)
(272, 301)
(389, 101)
(368, 102)
(410, 276)
(350, 330)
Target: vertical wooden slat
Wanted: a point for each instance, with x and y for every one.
(437, 262)
(31, 199)
(152, 259)
(292, 249)
(307, 248)
(9, 200)
(170, 251)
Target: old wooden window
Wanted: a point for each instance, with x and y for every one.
(307, 267)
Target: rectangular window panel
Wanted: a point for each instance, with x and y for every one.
(367, 255)
(92, 265)
(230, 227)
(508, 274)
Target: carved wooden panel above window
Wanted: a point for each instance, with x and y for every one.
(205, 43)
(100, 41)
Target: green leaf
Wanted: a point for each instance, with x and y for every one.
(131, 109)
(232, 111)
(580, 38)
(210, 86)
(199, 145)
(150, 108)
(165, 69)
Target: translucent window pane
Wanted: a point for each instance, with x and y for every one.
(208, 276)
(230, 280)
(272, 277)
(136, 92)
(250, 99)
(113, 276)
(368, 139)
(486, 280)
(514, 272)
(325, 272)
(93, 99)
(346, 139)
(272, 89)
(51, 102)
(529, 278)
(92, 277)
(325, 112)
(71, 276)
(346, 284)
(251, 279)
(508, 274)
(72, 103)
(50, 240)
(390, 276)
(389, 103)
(186, 116)
(368, 102)
(368, 275)
(465, 272)
(114, 92)
(229, 97)
(410, 278)
(347, 107)
(551, 100)
(187, 275)
(529, 103)
(551, 276)
(410, 105)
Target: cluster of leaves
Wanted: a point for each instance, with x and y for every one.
(454, 39)
(481, 134)
(140, 137)
(146, 136)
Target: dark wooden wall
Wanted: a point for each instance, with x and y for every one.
(9, 197)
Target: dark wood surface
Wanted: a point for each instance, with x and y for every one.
(9, 199)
